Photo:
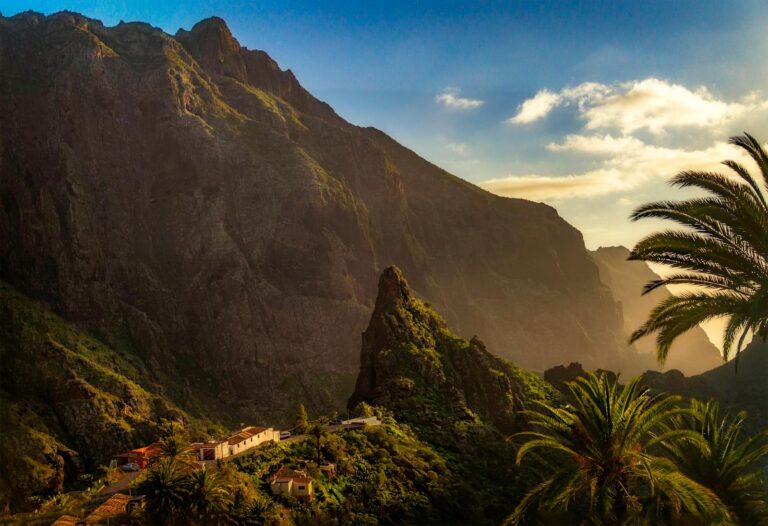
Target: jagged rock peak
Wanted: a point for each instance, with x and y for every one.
(617, 250)
(393, 289)
(213, 23)
(211, 43)
(413, 364)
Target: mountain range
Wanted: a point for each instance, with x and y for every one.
(185, 195)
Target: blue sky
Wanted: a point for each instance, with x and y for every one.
(588, 106)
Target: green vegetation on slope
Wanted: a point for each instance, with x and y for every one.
(454, 394)
(384, 475)
(67, 401)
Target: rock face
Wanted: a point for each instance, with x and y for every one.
(692, 353)
(412, 364)
(184, 193)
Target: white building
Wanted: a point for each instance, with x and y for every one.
(214, 450)
(250, 437)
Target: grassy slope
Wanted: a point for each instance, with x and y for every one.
(67, 401)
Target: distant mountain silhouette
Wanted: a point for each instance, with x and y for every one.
(692, 353)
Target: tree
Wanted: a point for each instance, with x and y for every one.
(317, 430)
(720, 460)
(302, 419)
(166, 490)
(603, 441)
(173, 440)
(208, 498)
(722, 252)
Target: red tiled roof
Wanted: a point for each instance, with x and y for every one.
(115, 505)
(213, 443)
(245, 434)
(66, 520)
(285, 474)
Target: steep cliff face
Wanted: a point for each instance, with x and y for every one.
(692, 353)
(187, 194)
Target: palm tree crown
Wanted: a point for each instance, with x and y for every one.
(718, 458)
(606, 437)
(166, 489)
(722, 252)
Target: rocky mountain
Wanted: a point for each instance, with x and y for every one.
(457, 397)
(411, 363)
(692, 353)
(185, 194)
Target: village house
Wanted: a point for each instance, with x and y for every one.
(362, 421)
(292, 483)
(212, 450)
(328, 469)
(141, 456)
(251, 436)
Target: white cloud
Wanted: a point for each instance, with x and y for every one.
(536, 108)
(450, 98)
(630, 163)
(656, 105)
(650, 103)
(597, 145)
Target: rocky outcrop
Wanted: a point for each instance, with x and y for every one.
(692, 353)
(412, 364)
(185, 194)
(454, 394)
(560, 375)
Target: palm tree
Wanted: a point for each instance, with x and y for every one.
(166, 489)
(175, 446)
(722, 252)
(317, 430)
(605, 438)
(721, 461)
(173, 441)
(208, 498)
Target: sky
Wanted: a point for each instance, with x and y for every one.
(588, 106)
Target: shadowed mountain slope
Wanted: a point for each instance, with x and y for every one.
(68, 402)
(738, 387)
(692, 353)
(187, 193)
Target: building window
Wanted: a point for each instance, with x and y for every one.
(301, 487)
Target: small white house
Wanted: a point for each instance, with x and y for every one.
(250, 437)
(214, 450)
